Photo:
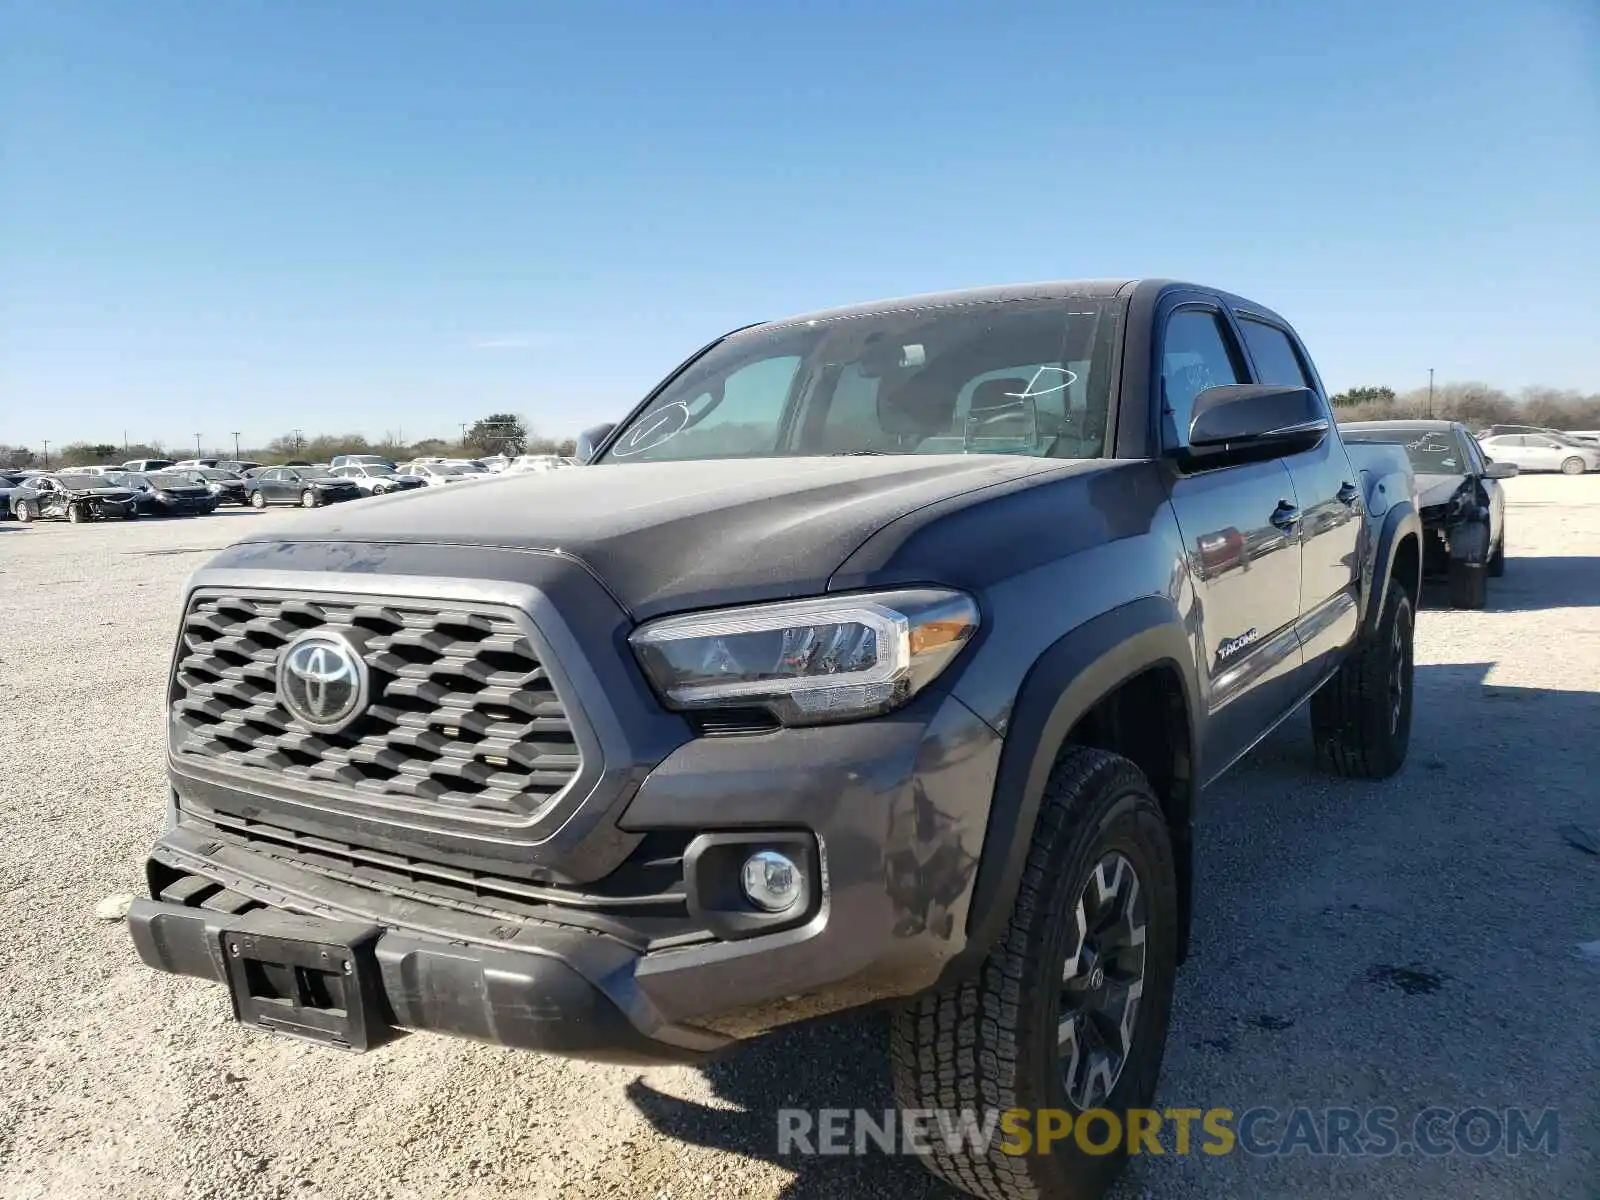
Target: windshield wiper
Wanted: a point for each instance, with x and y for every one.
(854, 453)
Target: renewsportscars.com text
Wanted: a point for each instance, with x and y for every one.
(1263, 1132)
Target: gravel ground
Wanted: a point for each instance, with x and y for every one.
(1402, 944)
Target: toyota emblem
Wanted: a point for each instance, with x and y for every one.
(322, 681)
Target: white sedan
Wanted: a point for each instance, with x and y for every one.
(440, 473)
(1541, 452)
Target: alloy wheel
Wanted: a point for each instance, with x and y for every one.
(1397, 676)
(1102, 982)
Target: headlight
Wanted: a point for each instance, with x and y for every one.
(214, 488)
(835, 658)
(164, 497)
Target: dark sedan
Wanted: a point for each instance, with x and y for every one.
(69, 497)
(167, 493)
(308, 487)
(227, 486)
(1462, 505)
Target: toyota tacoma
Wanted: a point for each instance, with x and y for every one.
(879, 656)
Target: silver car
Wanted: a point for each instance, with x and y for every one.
(1542, 452)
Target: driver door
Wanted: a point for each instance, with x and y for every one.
(1241, 537)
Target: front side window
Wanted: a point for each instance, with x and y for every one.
(1015, 377)
(1196, 353)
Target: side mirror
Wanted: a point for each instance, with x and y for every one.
(1256, 417)
(1499, 470)
(589, 441)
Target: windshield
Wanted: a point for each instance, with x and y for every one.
(1431, 451)
(1015, 377)
(83, 483)
(216, 473)
(318, 473)
(170, 479)
(447, 469)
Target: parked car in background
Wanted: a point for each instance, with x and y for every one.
(375, 479)
(9, 482)
(99, 469)
(168, 493)
(191, 463)
(227, 486)
(1462, 504)
(438, 473)
(369, 460)
(71, 496)
(241, 465)
(308, 486)
(1589, 437)
(1542, 452)
(146, 464)
(524, 463)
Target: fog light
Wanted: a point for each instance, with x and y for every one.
(772, 882)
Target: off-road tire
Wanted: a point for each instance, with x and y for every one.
(1573, 466)
(258, 499)
(1468, 584)
(308, 499)
(1358, 733)
(24, 511)
(1497, 559)
(989, 1043)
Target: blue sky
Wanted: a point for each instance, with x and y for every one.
(251, 216)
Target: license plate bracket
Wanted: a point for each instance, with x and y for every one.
(308, 978)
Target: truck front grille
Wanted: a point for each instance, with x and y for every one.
(462, 718)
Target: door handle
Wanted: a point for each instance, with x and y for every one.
(1347, 493)
(1286, 516)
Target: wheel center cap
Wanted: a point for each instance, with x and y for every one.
(1097, 978)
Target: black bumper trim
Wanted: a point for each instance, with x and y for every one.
(520, 998)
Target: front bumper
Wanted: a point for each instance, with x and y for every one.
(894, 809)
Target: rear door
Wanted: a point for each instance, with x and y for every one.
(1327, 486)
(1244, 559)
(1544, 454)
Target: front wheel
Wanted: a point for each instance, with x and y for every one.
(308, 499)
(1069, 1011)
(1361, 718)
(76, 515)
(1497, 559)
(1573, 466)
(258, 499)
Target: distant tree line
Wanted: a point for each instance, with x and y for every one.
(1475, 405)
(498, 433)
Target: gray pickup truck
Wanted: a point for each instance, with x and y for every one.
(879, 656)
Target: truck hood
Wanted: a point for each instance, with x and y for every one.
(676, 535)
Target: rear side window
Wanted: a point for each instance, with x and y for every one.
(1276, 359)
(1196, 353)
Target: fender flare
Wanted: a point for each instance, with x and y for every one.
(1064, 683)
(1399, 520)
